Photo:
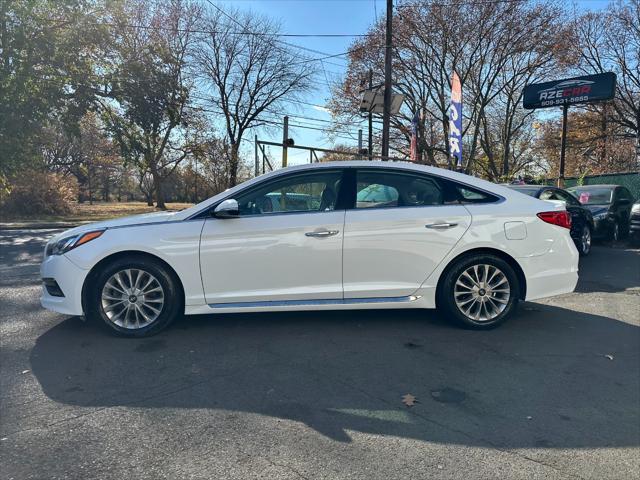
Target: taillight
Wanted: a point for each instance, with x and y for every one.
(560, 218)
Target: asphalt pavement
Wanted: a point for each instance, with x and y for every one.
(552, 394)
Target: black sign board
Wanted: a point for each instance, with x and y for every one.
(570, 91)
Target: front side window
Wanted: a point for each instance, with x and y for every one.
(311, 192)
(393, 189)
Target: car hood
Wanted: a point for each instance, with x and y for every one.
(119, 222)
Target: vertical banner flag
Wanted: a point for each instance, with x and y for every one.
(455, 120)
(414, 138)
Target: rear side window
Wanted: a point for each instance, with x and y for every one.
(471, 195)
(467, 194)
(384, 189)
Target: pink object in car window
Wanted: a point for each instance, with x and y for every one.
(584, 197)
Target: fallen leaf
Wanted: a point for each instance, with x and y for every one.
(610, 357)
(409, 400)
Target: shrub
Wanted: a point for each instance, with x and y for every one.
(39, 193)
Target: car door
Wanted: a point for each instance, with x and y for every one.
(285, 244)
(398, 229)
(624, 201)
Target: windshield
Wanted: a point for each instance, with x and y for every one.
(593, 196)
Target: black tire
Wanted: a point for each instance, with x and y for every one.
(172, 307)
(616, 232)
(446, 292)
(584, 247)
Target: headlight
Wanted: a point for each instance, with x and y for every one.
(68, 243)
(600, 216)
(636, 208)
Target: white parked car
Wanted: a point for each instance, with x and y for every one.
(340, 235)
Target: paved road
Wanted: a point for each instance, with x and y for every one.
(317, 395)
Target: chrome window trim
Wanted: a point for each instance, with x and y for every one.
(258, 185)
(500, 198)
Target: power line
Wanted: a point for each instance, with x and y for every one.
(271, 120)
(220, 10)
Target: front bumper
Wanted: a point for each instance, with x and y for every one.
(69, 278)
(602, 228)
(634, 224)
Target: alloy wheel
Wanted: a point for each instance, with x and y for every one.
(585, 240)
(132, 298)
(482, 292)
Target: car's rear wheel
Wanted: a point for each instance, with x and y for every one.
(479, 291)
(134, 297)
(584, 246)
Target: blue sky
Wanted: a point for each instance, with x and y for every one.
(326, 17)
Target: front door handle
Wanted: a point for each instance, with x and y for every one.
(322, 233)
(441, 226)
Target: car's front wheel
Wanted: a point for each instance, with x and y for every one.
(479, 291)
(134, 297)
(616, 233)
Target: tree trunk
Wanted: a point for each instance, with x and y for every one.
(233, 166)
(157, 187)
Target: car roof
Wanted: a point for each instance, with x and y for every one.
(596, 186)
(369, 164)
(515, 186)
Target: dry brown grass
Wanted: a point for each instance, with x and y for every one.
(83, 212)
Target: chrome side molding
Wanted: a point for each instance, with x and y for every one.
(336, 301)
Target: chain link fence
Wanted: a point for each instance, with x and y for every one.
(631, 180)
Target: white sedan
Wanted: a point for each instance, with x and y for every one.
(341, 235)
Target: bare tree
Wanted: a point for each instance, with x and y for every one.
(247, 71)
(611, 42)
(505, 46)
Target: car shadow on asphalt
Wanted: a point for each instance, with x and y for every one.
(551, 377)
(597, 275)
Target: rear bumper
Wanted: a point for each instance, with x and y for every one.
(70, 278)
(553, 273)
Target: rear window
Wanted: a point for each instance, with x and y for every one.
(593, 195)
(532, 192)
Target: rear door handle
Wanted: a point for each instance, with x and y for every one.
(441, 226)
(322, 233)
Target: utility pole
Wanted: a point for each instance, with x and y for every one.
(387, 82)
(255, 158)
(370, 118)
(359, 144)
(563, 144)
(285, 141)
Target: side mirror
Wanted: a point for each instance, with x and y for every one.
(227, 209)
